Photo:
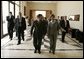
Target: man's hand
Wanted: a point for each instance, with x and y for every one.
(63, 30)
(69, 30)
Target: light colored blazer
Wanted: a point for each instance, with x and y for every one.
(53, 28)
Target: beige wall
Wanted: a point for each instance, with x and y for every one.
(61, 8)
(41, 6)
(67, 8)
(22, 4)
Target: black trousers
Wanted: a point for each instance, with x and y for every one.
(20, 34)
(16, 33)
(37, 40)
(10, 32)
(63, 36)
(64, 33)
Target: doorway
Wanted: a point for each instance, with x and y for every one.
(34, 13)
(40, 12)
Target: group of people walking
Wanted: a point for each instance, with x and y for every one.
(19, 24)
(40, 27)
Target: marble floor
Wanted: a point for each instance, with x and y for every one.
(70, 49)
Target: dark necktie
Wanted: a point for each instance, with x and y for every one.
(20, 21)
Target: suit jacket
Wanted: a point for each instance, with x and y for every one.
(62, 24)
(23, 23)
(10, 21)
(53, 28)
(45, 24)
(38, 27)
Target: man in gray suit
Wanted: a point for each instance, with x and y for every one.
(20, 26)
(53, 28)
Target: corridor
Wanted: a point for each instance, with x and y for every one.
(26, 50)
(71, 11)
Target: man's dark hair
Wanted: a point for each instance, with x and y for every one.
(10, 12)
(53, 15)
(62, 17)
(39, 15)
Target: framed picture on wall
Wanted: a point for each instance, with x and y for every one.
(74, 17)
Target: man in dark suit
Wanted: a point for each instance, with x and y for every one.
(20, 25)
(10, 20)
(45, 25)
(65, 26)
(38, 33)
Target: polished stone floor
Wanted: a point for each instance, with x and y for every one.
(70, 49)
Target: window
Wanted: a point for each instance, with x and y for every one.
(12, 8)
(24, 11)
(6, 7)
(17, 2)
(16, 10)
(4, 15)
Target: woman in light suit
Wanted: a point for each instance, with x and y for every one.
(53, 28)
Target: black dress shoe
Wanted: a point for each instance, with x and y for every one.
(10, 38)
(49, 51)
(53, 52)
(23, 39)
(18, 43)
(39, 52)
(35, 51)
(63, 41)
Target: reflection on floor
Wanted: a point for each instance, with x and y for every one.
(70, 49)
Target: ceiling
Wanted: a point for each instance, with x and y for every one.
(43, 1)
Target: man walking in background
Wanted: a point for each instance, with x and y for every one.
(10, 20)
